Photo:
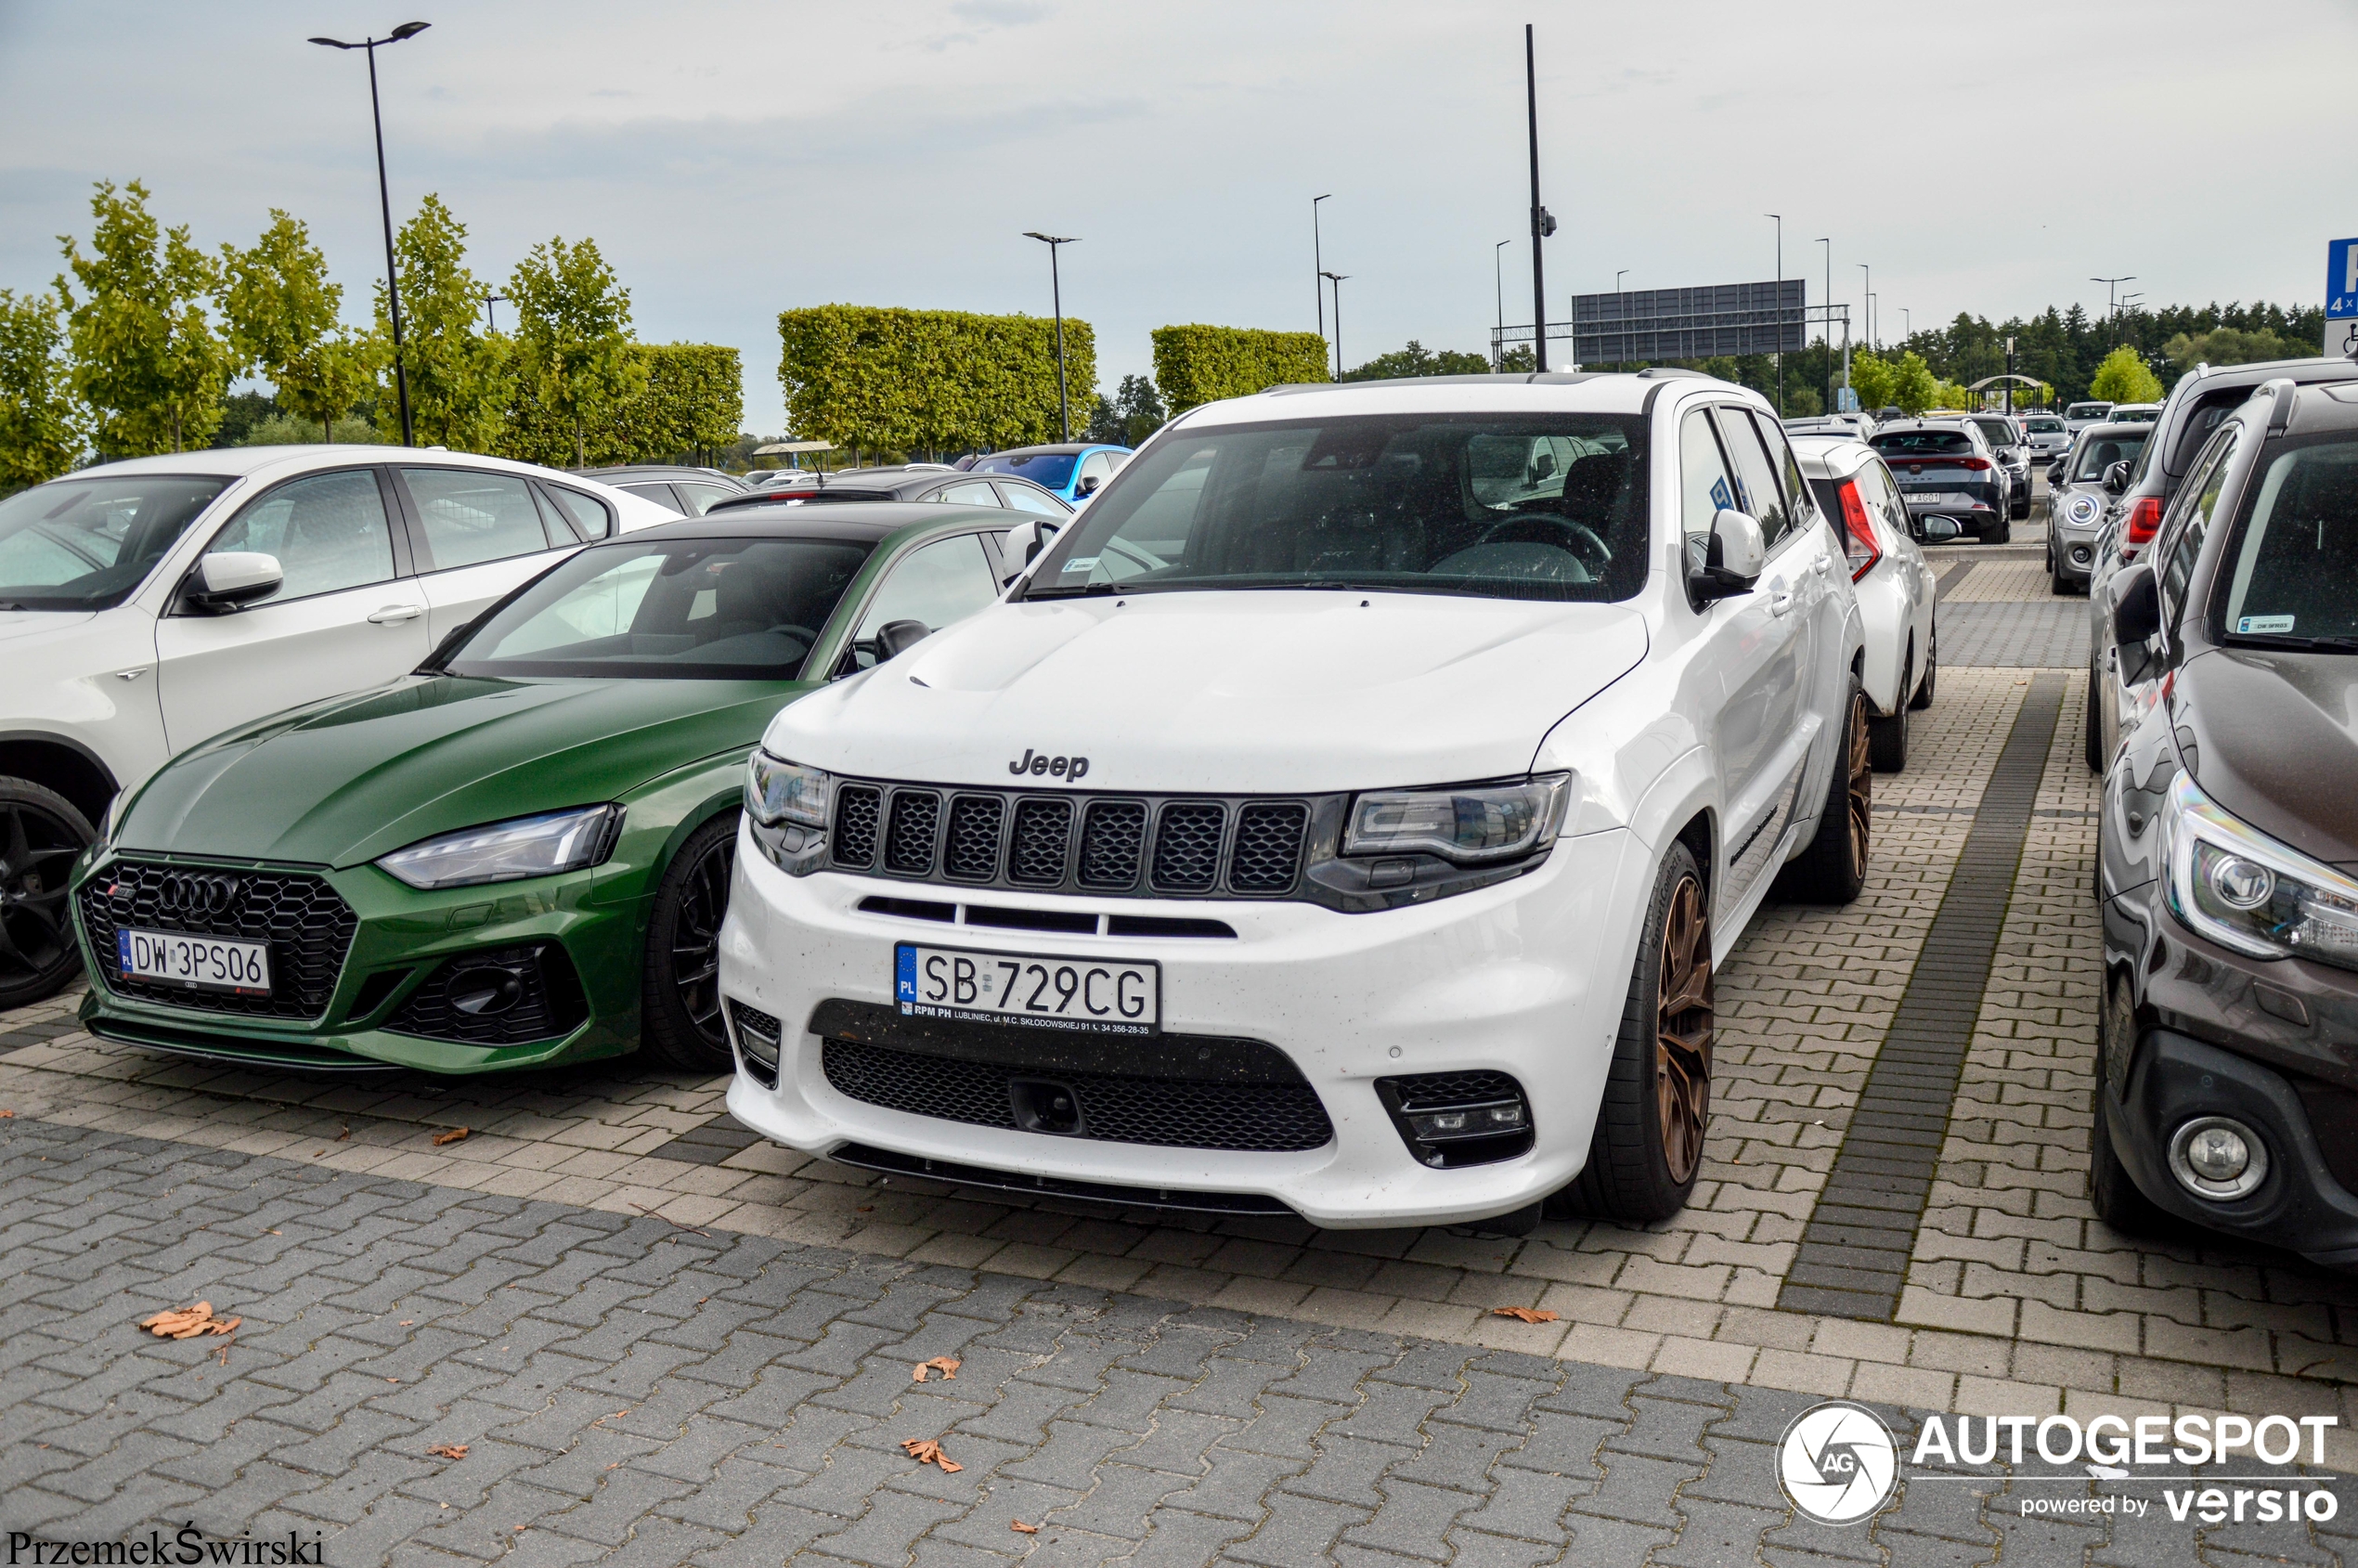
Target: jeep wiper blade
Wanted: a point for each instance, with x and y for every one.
(1083, 592)
(2334, 644)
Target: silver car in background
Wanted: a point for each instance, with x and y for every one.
(2079, 502)
(2012, 448)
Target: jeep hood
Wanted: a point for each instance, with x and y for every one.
(1286, 691)
(341, 782)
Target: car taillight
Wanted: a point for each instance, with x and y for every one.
(2145, 518)
(1975, 463)
(1858, 542)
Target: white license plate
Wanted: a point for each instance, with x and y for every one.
(1938, 498)
(1100, 995)
(198, 962)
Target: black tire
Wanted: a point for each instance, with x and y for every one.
(2117, 1200)
(1647, 1146)
(1923, 699)
(2092, 731)
(2057, 584)
(1834, 868)
(679, 1005)
(1887, 738)
(41, 836)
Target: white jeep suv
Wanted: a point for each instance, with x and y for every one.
(150, 605)
(1345, 816)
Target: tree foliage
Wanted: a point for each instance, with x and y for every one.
(43, 427)
(1199, 364)
(1132, 415)
(690, 400)
(2123, 378)
(573, 337)
(146, 356)
(1415, 360)
(933, 380)
(281, 312)
(2230, 346)
(457, 378)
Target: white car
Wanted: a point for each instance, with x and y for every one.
(1896, 591)
(1343, 817)
(150, 605)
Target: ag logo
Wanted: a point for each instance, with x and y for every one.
(1837, 1462)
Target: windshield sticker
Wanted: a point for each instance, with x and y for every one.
(2264, 624)
(1080, 564)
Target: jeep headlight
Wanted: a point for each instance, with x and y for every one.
(1469, 823)
(2249, 892)
(511, 850)
(787, 805)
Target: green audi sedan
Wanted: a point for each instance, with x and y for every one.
(519, 855)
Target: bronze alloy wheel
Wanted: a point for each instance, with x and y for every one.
(1861, 791)
(1682, 1031)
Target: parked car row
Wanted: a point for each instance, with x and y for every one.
(1254, 841)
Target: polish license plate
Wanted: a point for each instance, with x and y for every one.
(1103, 996)
(198, 962)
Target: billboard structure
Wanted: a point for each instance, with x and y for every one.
(1654, 325)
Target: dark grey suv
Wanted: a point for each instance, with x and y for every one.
(1945, 468)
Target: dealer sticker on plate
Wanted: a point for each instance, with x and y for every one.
(1103, 996)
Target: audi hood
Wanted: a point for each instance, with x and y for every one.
(1284, 691)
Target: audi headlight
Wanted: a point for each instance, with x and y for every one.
(511, 850)
(788, 805)
(2249, 892)
(1472, 824)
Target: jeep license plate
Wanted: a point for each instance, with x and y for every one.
(198, 962)
(1096, 995)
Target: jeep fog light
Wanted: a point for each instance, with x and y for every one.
(1455, 1119)
(2218, 1157)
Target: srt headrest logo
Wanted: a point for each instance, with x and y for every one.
(1837, 1462)
(1069, 769)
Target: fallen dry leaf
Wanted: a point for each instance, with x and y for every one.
(345, 1133)
(1018, 1526)
(187, 1323)
(317, 1155)
(452, 1136)
(946, 1365)
(1523, 1313)
(448, 1450)
(406, 1322)
(7, 1113)
(925, 1451)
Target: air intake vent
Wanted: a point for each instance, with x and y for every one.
(972, 852)
(1113, 841)
(1042, 829)
(857, 808)
(1268, 851)
(909, 841)
(1188, 847)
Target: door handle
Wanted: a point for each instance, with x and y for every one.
(394, 612)
(1781, 602)
(1821, 565)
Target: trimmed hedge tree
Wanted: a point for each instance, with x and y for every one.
(1201, 364)
(936, 380)
(692, 401)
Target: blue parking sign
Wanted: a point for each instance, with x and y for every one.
(2342, 297)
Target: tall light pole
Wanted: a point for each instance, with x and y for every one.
(1336, 279)
(1543, 223)
(1781, 310)
(1318, 261)
(1618, 303)
(2110, 285)
(1057, 292)
(1498, 286)
(408, 30)
(491, 321)
(1868, 287)
(1907, 326)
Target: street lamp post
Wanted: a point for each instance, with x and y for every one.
(1623, 306)
(1498, 286)
(1827, 304)
(1336, 279)
(1057, 292)
(491, 320)
(1543, 223)
(1318, 262)
(2110, 285)
(408, 30)
(1868, 287)
(1781, 310)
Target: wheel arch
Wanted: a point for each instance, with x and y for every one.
(63, 766)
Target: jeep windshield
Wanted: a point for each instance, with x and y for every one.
(1536, 506)
(84, 544)
(2292, 571)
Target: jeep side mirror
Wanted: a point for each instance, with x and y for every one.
(896, 637)
(2116, 478)
(2136, 609)
(1734, 555)
(228, 578)
(1938, 530)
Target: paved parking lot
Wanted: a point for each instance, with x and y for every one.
(655, 1338)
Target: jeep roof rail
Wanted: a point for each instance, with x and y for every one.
(1659, 372)
(1526, 378)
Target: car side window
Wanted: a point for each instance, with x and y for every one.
(590, 517)
(659, 494)
(1881, 496)
(974, 492)
(329, 532)
(470, 517)
(1704, 488)
(1023, 498)
(2196, 501)
(936, 584)
(1805, 500)
(1756, 480)
(699, 497)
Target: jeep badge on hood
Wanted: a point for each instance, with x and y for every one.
(1055, 767)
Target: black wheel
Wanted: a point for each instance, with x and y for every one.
(1648, 1145)
(1834, 866)
(2094, 727)
(40, 836)
(1887, 738)
(2117, 1200)
(2057, 583)
(1923, 699)
(680, 1009)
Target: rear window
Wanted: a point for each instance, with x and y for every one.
(2087, 411)
(1921, 442)
(1049, 469)
(2043, 426)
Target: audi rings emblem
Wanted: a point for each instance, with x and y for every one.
(195, 893)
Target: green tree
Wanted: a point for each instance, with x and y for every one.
(281, 312)
(1914, 387)
(459, 379)
(573, 336)
(1415, 360)
(1199, 364)
(43, 427)
(146, 356)
(928, 381)
(1870, 377)
(2122, 378)
(2229, 345)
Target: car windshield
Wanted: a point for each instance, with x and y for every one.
(1051, 468)
(1996, 432)
(2101, 452)
(675, 609)
(84, 544)
(1518, 506)
(2043, 426)
(1901, 445)
(2087, 411)
(2293, 567)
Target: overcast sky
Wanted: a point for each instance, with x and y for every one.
(736, 159)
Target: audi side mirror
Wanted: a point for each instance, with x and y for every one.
(1734, 553)
(224, 581)
(2116, 478)
(896, 637)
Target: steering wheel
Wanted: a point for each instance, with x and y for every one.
(803, 634)
(1531, 527)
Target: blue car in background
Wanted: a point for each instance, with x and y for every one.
(1073, 469)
